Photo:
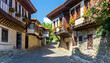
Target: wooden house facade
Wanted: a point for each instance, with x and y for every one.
(12, 23)
(82, 34)
(36, 34)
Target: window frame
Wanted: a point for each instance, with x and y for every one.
(6, 38)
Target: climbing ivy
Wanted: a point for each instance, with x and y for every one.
(100, 13)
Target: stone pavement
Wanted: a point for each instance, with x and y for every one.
(46, 54)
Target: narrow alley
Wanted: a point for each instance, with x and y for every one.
(47, 54)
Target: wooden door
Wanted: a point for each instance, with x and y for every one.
(26, 42)
(67, 45)
(75, 41)
(90, 41)
(19, 41)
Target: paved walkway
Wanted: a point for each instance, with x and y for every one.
(47, 54)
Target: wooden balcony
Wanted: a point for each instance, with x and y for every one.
(5, 7)
(85, 25)
(4, 13)
(31, 31)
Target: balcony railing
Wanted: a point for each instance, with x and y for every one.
(5, 7)
(31, 31)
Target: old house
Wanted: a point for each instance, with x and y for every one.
(60, 19)
(46, 34)
(13, 17)
(82, 34)
(85, 31)
(36, 36)
(33, 34)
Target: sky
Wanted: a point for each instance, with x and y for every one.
(44, 7)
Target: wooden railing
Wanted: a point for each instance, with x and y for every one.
(4, 6)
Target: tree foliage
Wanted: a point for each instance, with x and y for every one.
(101, 15)
(52, 36)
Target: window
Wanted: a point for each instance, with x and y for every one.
(73, 12)
(61, 20)
(87, 4)
(29, 15)
(19, 9)
(57, 23)
(89, 41)
(16, 6)
(10, 3)
(5, 1)
(54, 24)
(4, 35)
(80, 38)
(22, 12)
(25, 14)
(32, 26)
(78, 11)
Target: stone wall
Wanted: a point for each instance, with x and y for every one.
(101, 48)
(66, 43)
(33, 41)
(12, 37)
(83, 44)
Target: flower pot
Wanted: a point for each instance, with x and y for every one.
(10, 13)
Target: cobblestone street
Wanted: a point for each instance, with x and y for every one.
(47, 54)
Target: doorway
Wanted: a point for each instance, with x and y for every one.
(19, 40)
(26, 42)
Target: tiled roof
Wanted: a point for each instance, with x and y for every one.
(34, 19)
(58, 8)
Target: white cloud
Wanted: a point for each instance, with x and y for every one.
(46, 20)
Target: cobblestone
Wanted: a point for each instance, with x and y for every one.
(47, 54)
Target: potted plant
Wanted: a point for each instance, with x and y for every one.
(68, 26)
(60, 26)
(86, 15)
(26, 20)
(11, 9)
(72, 22)
(18, 14)
(54, 29)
